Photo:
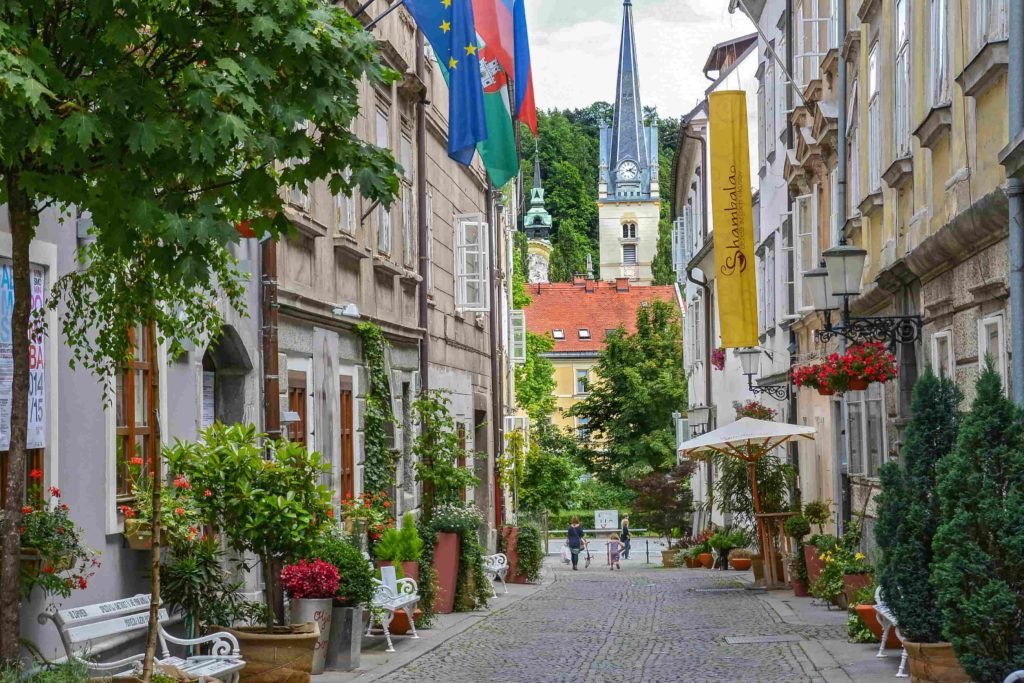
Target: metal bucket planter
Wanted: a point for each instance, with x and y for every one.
(139, 535)
(346, 640)
(317, 611)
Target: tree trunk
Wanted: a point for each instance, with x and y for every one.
(24, 218)
(154, 581)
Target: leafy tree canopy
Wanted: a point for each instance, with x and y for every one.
(569, 255)
(535, 379)
(552, 473)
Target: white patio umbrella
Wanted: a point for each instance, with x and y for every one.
(749, 440)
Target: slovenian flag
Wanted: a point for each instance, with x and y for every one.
(502, 26)
(526, 107)
(449, 27)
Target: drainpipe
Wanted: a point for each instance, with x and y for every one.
(842, 479)
(268, 310)
(498, 410)
(421, 215)
(1015, 193)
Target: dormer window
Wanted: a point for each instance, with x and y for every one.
(584, 333)
(629, 231)
(558, 334)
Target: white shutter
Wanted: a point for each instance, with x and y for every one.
(471, 257)
(397, 408)
(518, 346)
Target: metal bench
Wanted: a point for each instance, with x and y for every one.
(85, 628)
(888, 621)
(392, 594)
(496, 568)
(1015, 677)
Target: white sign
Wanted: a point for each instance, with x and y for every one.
(209, 402)
(606, 519)
(36, 363)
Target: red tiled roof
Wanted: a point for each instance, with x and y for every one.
(594, 306)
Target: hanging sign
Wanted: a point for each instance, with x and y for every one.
(732, 208)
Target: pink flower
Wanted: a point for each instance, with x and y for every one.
(207, 493)
(136, 461)
(182, 483)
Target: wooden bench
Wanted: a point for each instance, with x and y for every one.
(888, 621)
(496, 568)
(393, 594)
(83, 629)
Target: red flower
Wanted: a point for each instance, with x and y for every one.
(36, 474)
(55, 492)
(48, 569)
(136, 461)
(182, 483)
(179, 511)
(330, 513)
(26, 510)
(207, 493)
(60, 530)
(82, 582)
(387, 503)
(64, 506)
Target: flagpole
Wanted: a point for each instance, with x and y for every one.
(383, 14)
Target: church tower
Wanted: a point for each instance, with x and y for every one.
(629, 205)
(537, 224)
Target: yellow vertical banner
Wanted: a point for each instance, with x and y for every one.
(733, 219)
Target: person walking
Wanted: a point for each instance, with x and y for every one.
(614, 550)
(576, 541)
(624, 537)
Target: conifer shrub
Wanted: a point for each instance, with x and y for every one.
(978, 575)
(909, 512)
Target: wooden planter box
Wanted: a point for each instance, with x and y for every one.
(446, 564)
(138, 535)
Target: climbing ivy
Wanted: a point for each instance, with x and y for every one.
(379, 464)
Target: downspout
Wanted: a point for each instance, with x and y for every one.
(842, 479)
(421, 215)
(497, 408)
(1015, 194)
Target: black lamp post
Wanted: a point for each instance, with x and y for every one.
(839, 278)
(750, 359)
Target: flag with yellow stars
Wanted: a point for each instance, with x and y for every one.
(449, 28)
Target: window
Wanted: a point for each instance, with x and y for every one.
(902, 122)
(866, 429)
(471, 282)
(788, 269)
(518, 331)
(629, 254)
(430, 241)
(811, 31)
(584, 333)
(137, 436)
(582, 381)
(762, 306)
(769, 107)
(781, 91)
(296, 431)
(769, 286)
(407, 162)
(874, 123)
(345, 205)
(834, 228)
(989, 22)
(942, 355)
(940, 60)
(558, 334)
(762, 128)
(853, 152)
(583, 429)
(991, 343)
(408, 229)
(805, 214)
(348, 470)
(383, 229)
(833, 24)
(629, 231)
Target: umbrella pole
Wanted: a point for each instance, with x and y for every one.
(767, 553)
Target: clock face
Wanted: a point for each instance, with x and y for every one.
(628, 170)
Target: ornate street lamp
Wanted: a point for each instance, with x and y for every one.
(839, 278)
(698, 417)
(750, 359)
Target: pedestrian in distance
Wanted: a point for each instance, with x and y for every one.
(625, 538)
(575, 540)
(614, 551)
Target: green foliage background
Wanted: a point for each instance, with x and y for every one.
(378, 467)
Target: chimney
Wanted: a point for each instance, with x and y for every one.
(622, 284)
(578, 280)
(590, 285)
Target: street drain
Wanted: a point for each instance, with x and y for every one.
(750, 640)
(719, 590)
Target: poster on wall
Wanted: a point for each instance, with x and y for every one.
(209, 401)
(37, 360)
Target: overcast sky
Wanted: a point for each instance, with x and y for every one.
(575, 47)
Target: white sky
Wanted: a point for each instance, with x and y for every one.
(575, 48)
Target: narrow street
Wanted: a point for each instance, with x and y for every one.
(646, 623)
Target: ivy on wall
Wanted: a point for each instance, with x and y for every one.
(379, 462)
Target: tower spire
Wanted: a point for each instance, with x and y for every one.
(628, 137)
(536, 167)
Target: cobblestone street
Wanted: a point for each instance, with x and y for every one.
(640, 624)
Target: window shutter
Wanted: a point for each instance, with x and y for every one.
(471, 257)
(518, 350)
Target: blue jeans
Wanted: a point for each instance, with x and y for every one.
(575, 552)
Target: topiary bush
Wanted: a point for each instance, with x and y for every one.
(978, 575)
(797, 527)
(909, 511)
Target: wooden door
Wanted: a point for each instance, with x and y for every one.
(348, 470)
(297, 404)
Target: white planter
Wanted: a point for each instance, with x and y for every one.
(318, 611)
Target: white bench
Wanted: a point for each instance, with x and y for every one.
(496, 568)
(393, 594)
(888, 621)
(82, 629)
(1015, 677)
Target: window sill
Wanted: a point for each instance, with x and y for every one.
(936, 124)
(411, 276)
(853, 225)
(351, 246)
(985, 69)
(383, 263)
(851, 44)
(868, 9)
(899, 172)
(303, 222)
(871, 202)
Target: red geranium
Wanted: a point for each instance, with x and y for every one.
(310, 580)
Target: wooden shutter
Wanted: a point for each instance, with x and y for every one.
(348, 469)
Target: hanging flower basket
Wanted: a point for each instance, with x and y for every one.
(854, 370)
(718, 358)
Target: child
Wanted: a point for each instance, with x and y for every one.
(614, 549)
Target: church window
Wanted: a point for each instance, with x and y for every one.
(629, 231)
(558, 334)
(629, 254)
(584, 333)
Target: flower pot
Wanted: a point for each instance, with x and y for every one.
(815, 565)
(869, 616)
(284, 655)
(741, 564)
(139, 535)
(853, 583)
(446, 564)
(934, 663)
(399, 626)
(318, 611)
(668, 555)
(692, 562)
(511, 536)
(858, 384)
(411, 570)
(346, 639)
(706, 560)
(825, 391)
(799, 588)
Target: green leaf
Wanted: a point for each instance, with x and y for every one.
(81, 128)
(142, 138)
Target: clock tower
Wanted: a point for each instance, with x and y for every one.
(629, 204)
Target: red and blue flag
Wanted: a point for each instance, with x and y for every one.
(501, 24)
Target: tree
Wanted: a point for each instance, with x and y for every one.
(169, 122)
(977, 572)
(734, 494)
(569, 253)
(909, 509)
(550, 480)
(640, 382)
(440, 457)
(664, 500)
(569, 201)
(535, 379)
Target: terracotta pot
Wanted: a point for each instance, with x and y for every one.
(667, 556)
(741, 564)
(799, 588)
(858, 384)
(869, 616)
(411, 570)
(934, 663)
(706, 560)
(853, 583)
(139, 535)
(825, 391)
(814, 563)
(283, 656)
(692, 562)
(511, 536)
(446, 564)
(400, 624)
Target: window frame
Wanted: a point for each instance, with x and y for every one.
(517, 336)
(558, 334)
(864, 400)
(939, 60)
(853, 149)
(581, 389)
(584, 333)
(990, 23)
(626, 259)
(472, 248)
(901, 120)
(127, 430)
(1001, 360)
(787, 249)
(430, 241)
(809, 233)
(408, 242)
(874, 120)
(583, 433)
(947, 336)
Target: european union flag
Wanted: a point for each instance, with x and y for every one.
(449, 27)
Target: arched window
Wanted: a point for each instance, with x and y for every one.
(629, 231)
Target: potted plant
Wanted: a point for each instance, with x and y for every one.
(524, 547)
(311, 586)
(798, 527)
(866, 363)
(741, 558)
(663, 503)
(355, 591)
(702, 548)
(367, 515)
(402, 548)
(180, 518)
(271, 508)
(862, 607)
(457, 559)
